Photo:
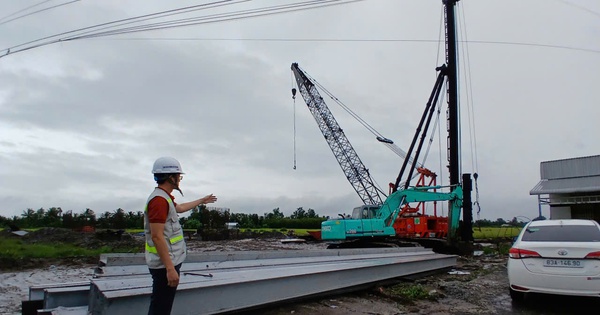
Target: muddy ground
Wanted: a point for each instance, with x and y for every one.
(477, 285)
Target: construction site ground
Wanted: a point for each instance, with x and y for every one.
(477, 285)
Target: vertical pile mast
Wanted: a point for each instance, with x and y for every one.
(453, 127)
(354, 169)
(453, 119)
(448, 71)
(453, 122)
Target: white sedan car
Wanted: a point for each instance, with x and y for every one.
(556, 257)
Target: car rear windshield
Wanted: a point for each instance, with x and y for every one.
(565, 233)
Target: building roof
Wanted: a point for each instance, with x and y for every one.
(567, 185)
(575, 175)
(574, 167)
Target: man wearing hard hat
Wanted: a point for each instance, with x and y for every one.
(165, 245)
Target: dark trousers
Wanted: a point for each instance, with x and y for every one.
(161, 300)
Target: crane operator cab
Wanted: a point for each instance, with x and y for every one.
(365, 212)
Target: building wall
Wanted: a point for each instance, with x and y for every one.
(560, 212)
(578, 211)
(586, 211)
(572, 187)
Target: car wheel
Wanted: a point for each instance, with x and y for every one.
(517, 296)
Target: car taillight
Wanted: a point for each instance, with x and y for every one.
(518, 253)
(593, 255)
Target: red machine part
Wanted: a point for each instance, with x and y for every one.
(413, 222)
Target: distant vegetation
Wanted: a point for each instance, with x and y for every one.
(199, 218)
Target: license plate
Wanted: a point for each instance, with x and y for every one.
(566, 263)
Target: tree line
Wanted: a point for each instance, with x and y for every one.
(200, 217)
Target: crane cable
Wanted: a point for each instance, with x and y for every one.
(294, 105)
(389, 143)
(470, 109)
(469, 96)
(439, 110)
(375, 183)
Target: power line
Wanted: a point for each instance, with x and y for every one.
(8, 50)
(352, 40)
(581, 7)
(222, 17)
(534, 45)
(95, 29)
(112, 28)
(38, 11)
(102, 30)
(22, 10)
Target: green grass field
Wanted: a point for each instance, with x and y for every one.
(16, 249)
(495, 232)
(297, 232)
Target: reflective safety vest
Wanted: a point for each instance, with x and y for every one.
(173, 234)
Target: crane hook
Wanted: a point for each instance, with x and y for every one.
(294, 93)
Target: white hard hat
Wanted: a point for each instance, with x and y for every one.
(166, 165)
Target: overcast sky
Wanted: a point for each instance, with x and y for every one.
(82, 121)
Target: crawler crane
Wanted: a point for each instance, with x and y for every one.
(394, 218)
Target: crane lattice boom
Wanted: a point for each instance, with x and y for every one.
(354, 169)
